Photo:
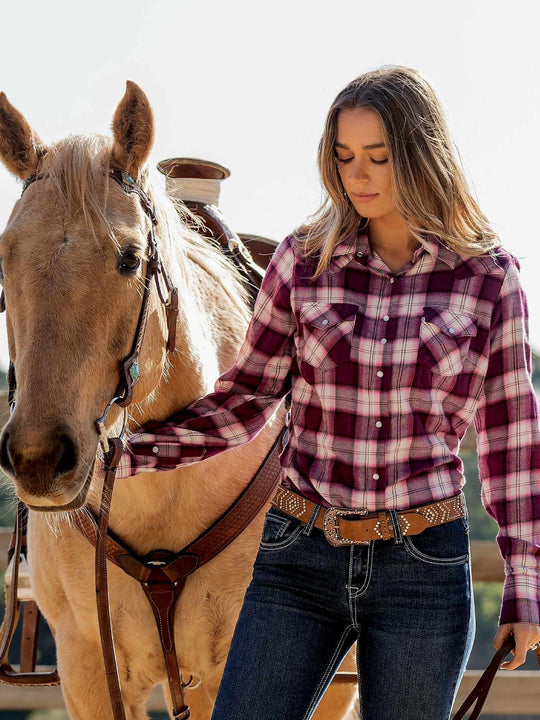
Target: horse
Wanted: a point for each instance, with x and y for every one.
(72, 255)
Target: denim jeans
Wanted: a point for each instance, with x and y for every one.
(407, 602)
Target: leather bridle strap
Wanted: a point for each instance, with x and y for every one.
(102, 596)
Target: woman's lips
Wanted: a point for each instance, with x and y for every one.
(364, 198)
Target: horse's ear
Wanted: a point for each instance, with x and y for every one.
(133, 130)
(20, 147)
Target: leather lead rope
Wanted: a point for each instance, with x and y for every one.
(102, 596)
(482, 687)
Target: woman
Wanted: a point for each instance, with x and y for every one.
(394, 319)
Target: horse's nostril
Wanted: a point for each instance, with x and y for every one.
(5, 458)
(70, 456)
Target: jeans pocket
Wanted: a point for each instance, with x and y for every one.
(446, 544)
(279, 530)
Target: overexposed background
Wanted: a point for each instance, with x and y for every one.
(248, 84)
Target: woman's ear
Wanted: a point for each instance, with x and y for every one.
(133, 130)
(20, 147)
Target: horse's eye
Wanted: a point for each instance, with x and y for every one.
(1, 272)
(129, 262)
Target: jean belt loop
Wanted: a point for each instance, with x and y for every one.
(397, 528)
(312, 518)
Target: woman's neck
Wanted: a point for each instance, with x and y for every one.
(390, 234)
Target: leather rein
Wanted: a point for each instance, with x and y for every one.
(162, 574)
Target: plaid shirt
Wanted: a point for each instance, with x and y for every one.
(386, 372)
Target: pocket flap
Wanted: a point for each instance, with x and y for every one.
(454, 324)
(324, 315)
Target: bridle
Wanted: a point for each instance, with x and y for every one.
(129, 367)
(113, 447)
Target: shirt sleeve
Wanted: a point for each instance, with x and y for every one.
(508, 430)
(244, 397)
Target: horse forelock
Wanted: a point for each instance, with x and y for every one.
(76, 165)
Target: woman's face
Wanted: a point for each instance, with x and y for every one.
(364, 163)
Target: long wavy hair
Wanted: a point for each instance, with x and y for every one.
(429, 184)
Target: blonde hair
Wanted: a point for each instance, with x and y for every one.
(429, 184)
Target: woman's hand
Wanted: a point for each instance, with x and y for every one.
(525, 635)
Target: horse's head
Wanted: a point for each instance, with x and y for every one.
(73, 260)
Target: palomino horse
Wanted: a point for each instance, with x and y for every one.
(72, 254)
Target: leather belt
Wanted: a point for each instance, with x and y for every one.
(352, 526)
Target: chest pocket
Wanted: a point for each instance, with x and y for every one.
(445, 338)
(325, 333)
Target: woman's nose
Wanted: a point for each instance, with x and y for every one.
(358, 171)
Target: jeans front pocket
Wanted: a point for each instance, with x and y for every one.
(445, 338)
(446, 544)
(280, 530)
(325, 334)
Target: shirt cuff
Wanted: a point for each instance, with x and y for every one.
(521, 599)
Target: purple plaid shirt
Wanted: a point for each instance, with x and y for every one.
(386, 372)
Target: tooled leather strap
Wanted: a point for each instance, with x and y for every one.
(163, 574)
(222, 531)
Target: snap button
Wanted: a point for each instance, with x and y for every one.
(155, 449)
(325, 321)
(452, 330)
(378, 423)
(380, 373)
(383, 340)
(375, 476)
(359, 254)
(392, 279)
(386, 317)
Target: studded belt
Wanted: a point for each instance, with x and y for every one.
(352, 526)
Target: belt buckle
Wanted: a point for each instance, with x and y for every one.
(331, 525)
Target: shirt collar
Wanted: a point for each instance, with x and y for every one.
(358, 242)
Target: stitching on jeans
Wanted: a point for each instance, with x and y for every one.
(327, 673)
(284, 543)
(352, 609)
(414, 552)
(357, 653)
(469, 618)
(363, 589)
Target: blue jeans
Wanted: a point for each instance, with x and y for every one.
(407, 602)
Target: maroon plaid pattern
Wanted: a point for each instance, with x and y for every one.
(386, 372)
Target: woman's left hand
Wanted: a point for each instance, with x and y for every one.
(525, 635)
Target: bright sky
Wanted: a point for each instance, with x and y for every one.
(248, 84)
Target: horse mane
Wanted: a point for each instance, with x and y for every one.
(76, 164)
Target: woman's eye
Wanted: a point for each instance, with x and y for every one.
(129, 262)
(344, 161)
